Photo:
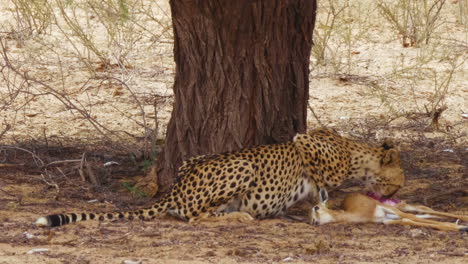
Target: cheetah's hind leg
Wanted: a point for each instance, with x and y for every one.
(215, 216)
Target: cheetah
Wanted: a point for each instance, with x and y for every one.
(264, 181)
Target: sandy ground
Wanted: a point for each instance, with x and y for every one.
(372, 101)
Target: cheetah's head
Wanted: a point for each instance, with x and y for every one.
(331, 159)
(385, 177)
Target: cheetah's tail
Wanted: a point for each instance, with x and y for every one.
(157, 209)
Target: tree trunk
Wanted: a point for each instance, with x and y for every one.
(242, 76)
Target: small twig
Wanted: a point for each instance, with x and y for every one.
(53, 184)
(81, 171)
(45, 137)
(91, 175)
(63, 161)
(63, 174)
(436, 116)
(8, 165)
(7, 193)
(142, 111)
(8, 127)
(315, 115)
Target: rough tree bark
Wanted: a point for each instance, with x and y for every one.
(242, 70)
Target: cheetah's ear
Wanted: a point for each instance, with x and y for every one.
(300, 137)
(388, 144)
(391, 157)
(323, 195)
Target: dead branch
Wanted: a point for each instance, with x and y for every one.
(315, 115)
(8, 127)
(35, 157)
(62, 162)
(82, 164)
(52, 184)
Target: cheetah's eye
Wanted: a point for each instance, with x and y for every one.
(316, 208)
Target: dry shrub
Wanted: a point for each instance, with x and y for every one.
(69, 52)
(414, 21)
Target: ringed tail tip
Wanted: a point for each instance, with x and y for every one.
(42, 222)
